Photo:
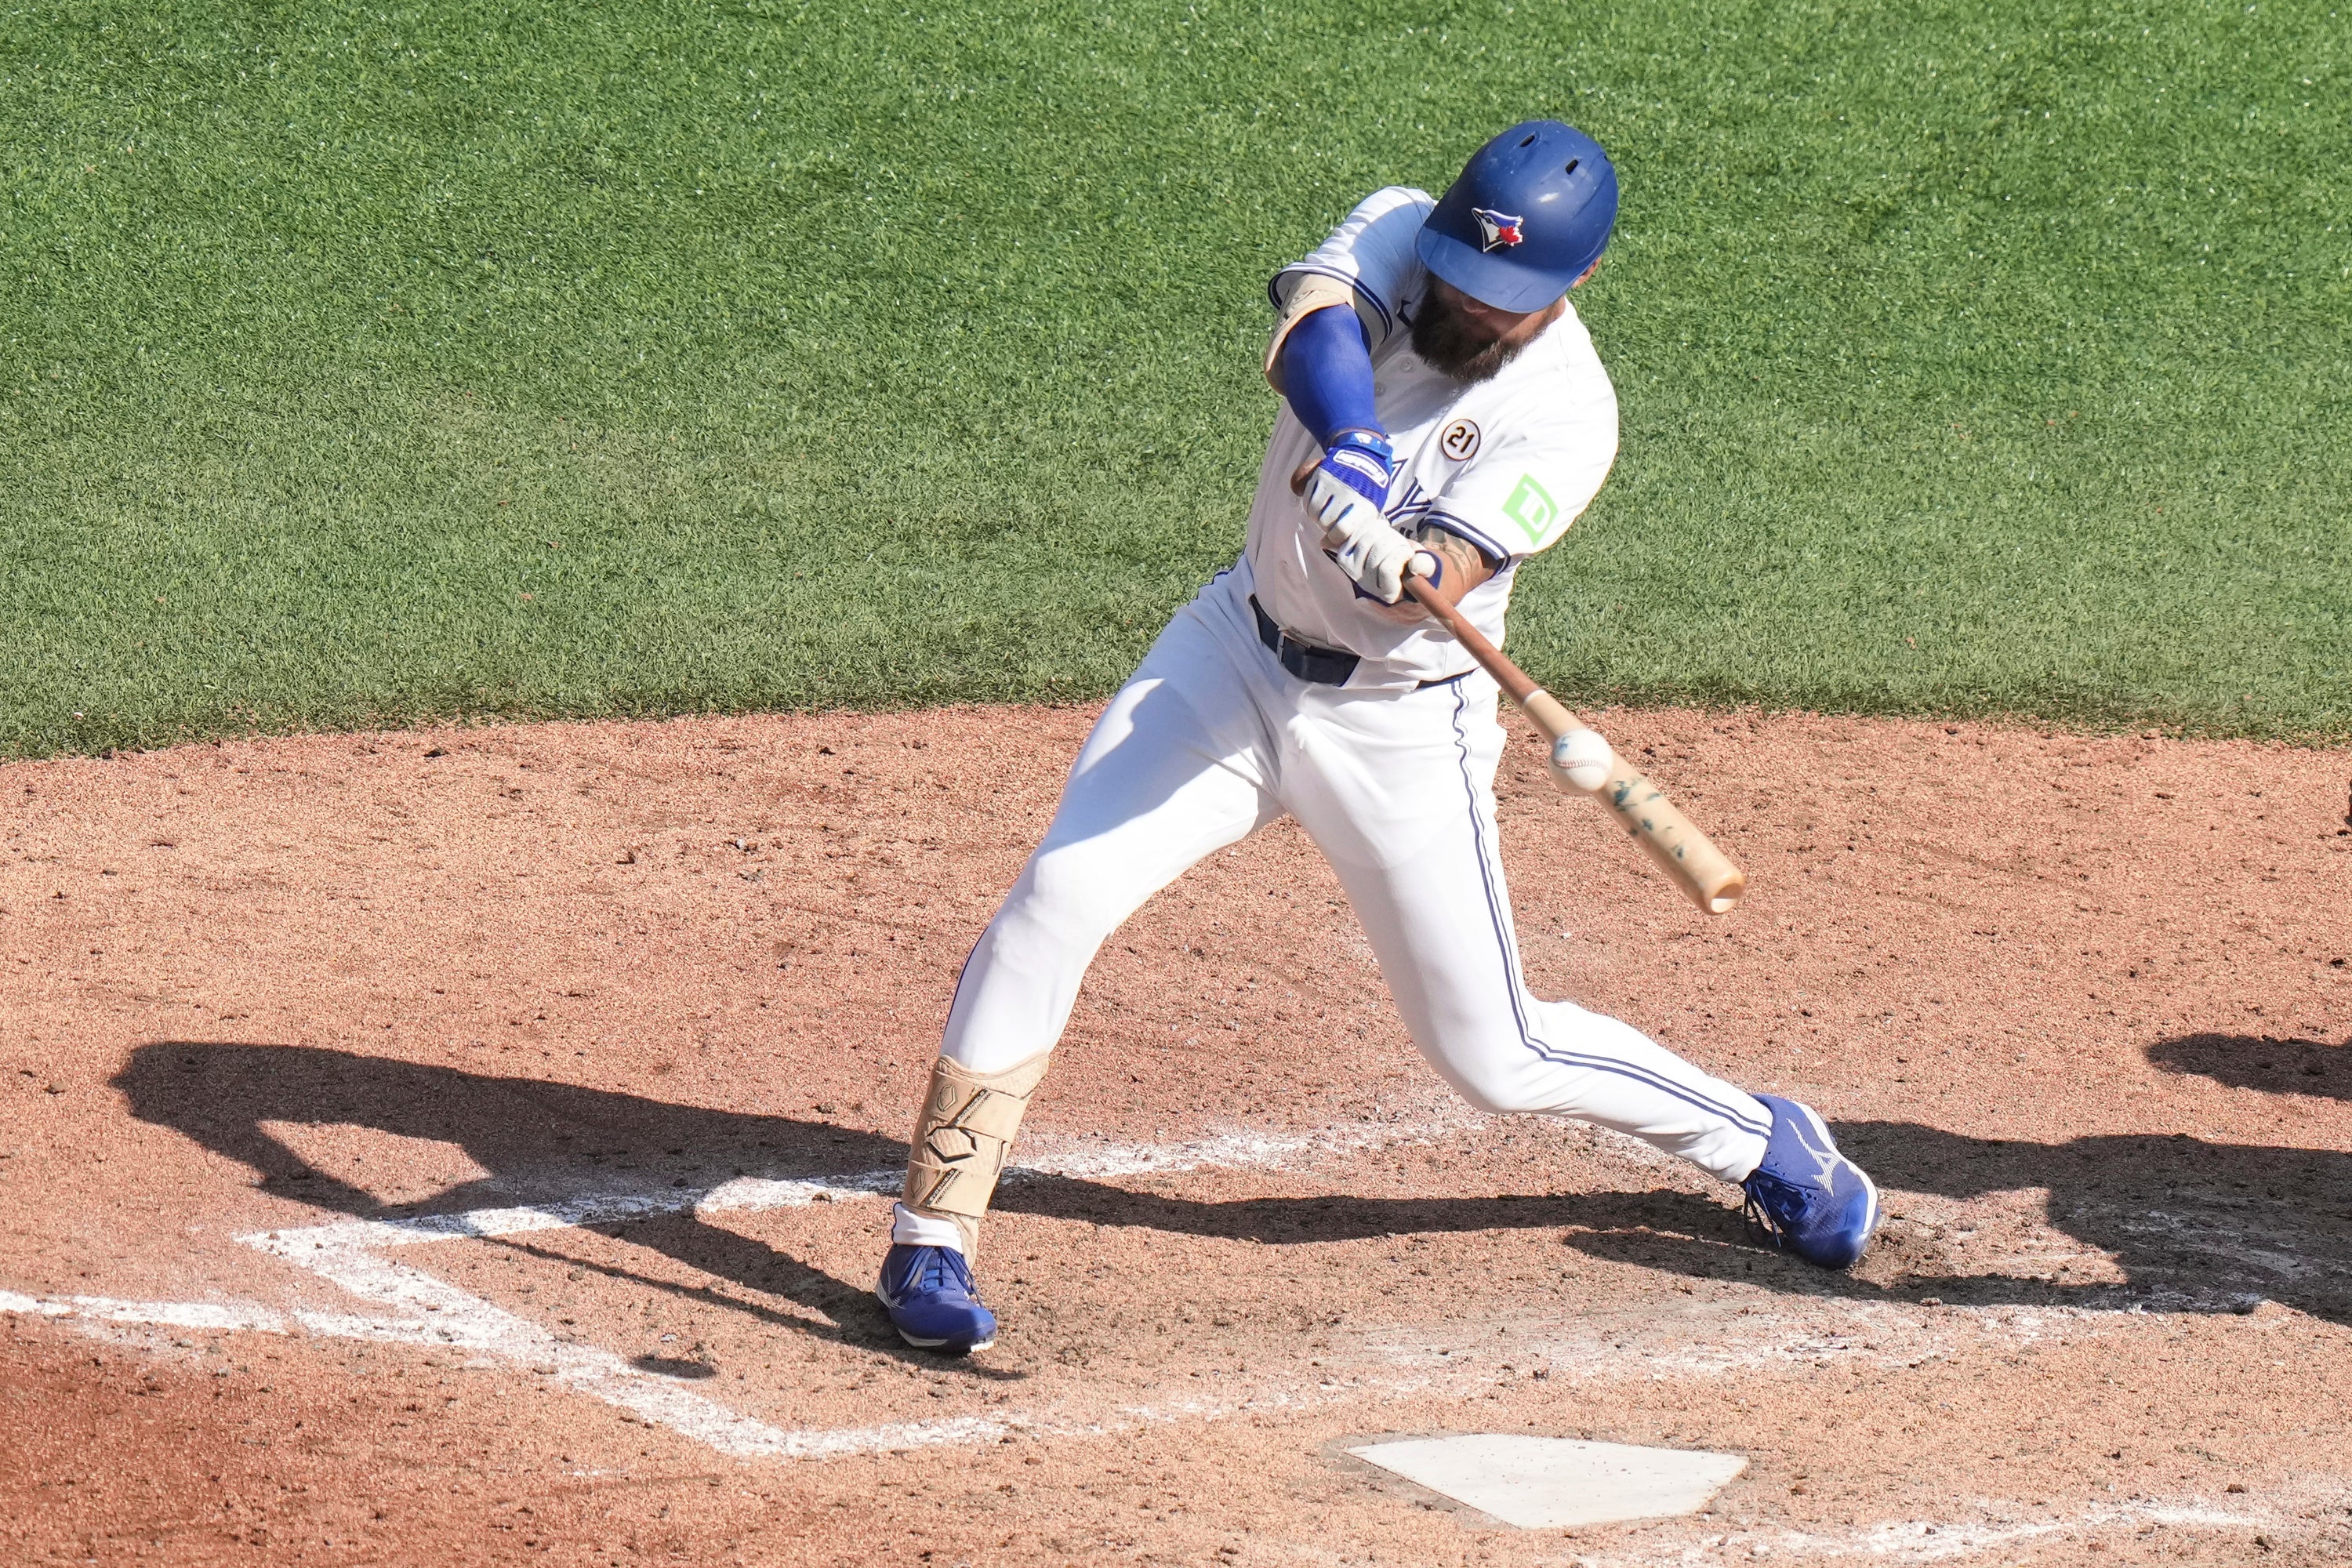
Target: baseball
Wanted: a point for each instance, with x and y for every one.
(1581, 759)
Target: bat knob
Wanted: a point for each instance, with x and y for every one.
(1583, 762)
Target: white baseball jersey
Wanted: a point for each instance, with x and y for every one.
(1506, 463)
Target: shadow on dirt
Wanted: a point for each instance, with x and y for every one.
(539, 1142)
(2193, 1226)
(2260, 1062)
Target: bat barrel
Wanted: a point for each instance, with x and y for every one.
(1665, 834)
(1687, 856)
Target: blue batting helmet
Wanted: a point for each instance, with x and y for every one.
(1531, 211)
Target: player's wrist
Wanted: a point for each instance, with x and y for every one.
(1363, 459)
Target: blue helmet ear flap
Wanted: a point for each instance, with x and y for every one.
(1531, 211)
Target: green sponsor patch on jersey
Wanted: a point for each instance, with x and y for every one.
(1531, 507)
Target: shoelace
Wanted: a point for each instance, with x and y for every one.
(1761, 1191)
(937, 1273)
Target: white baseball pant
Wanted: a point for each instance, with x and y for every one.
(1211, 740)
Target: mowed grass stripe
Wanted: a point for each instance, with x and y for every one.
(360, 366)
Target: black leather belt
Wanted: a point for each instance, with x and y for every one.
(1323, 665)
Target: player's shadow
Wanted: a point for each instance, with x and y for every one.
(536, 1142)
(2190, 1226)
(2265, 1062)
(1279, 1222)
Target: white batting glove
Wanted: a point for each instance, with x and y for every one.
(1358, 536)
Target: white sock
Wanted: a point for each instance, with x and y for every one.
(908, 1228)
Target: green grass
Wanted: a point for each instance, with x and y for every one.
(364, 365)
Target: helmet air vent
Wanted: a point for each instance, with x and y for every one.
(1572, 162)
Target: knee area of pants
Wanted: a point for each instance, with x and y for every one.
(1499, 1092)
(1049, 918)
(1071, 884)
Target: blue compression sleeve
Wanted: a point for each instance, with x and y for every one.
(1327, 374)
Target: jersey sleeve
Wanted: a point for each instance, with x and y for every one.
(1372, 252)
(1517, 498)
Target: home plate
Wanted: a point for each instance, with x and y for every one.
(1552, 1483)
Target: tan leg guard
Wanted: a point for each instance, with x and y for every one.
(961, 1139)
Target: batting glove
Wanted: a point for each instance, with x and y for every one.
(1357, 536)
(1363, 460)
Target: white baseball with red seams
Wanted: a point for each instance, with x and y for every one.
(1584, 758)
(1391, 771)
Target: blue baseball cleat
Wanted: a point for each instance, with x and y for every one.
(1808, 1198)
(927, 1291)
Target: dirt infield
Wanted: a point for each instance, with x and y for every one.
(465, 1147)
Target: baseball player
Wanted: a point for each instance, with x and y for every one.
(1445, 415)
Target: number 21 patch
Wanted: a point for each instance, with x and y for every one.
(1531, 507)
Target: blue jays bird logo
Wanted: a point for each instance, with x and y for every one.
(1496, 230)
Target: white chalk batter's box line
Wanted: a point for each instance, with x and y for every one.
(436, 1313)
(347, 1254)
(440, 1315)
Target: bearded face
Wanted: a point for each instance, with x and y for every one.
(1454, 345)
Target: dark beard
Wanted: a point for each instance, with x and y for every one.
(1444, 341)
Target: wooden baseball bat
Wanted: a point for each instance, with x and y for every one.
(1665, 834)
